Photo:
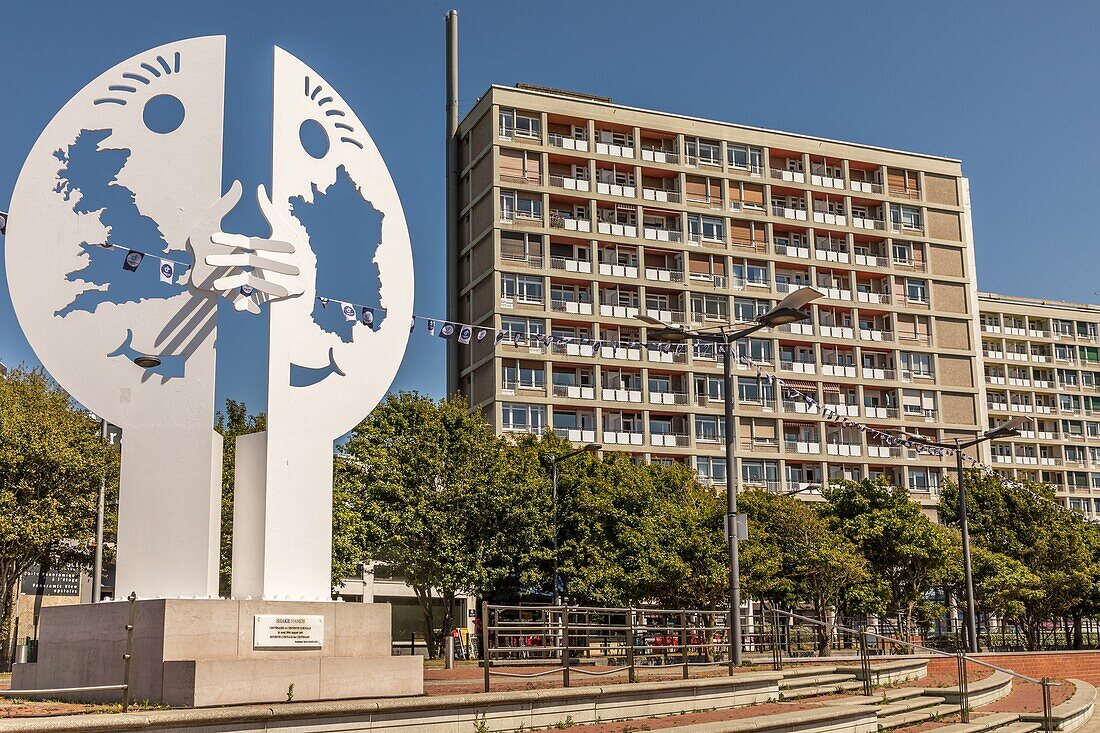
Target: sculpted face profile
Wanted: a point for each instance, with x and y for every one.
(117, 261)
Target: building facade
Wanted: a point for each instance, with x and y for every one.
(1042, 359)
(577, 215)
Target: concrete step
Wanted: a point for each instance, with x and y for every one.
(916, 716)
(798, 693)
(818, 680)
(992, 723)
(792, 672)
(885, 697)
(908, 705)
(1020, 728)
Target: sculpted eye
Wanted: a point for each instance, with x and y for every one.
(163, 114)
(314, 138)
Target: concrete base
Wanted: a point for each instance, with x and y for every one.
(198, 652)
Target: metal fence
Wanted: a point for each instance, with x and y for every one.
(124, 688)
(570, 640)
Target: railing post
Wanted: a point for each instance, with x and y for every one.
(684, 638)
(1048, 709)
(964, 693)
(777, 650)
(864, 660)
(565, 646)
(631, 674)
(485, 654)
(129, 652)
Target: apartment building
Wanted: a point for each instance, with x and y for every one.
(577, 215)
(1042, 359)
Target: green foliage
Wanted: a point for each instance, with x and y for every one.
(1045, 561)
(235, 421)
(52, 461)
(792, 557)
(443, 503)
(907, 552)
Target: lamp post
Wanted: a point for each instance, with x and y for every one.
(1008, 429)
(554, 460)
(787, 311)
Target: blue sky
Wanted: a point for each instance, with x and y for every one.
(1008, 87)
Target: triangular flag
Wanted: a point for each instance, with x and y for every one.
(133, 260)
(167, 271)
(349, 312)
(464, 335)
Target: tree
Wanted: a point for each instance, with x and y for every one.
(1026, 525)
(444, 503)
(52, 461)
(235, 421)
(793, 557)
(906, 550)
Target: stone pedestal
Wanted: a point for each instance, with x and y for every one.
(198, 652)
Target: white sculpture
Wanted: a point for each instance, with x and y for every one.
(145, 360)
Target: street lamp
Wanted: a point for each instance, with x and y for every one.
(554, 460)
(1008, 429)
(787, 311)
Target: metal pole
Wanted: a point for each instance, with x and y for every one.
(735, 570)
(452, 195)
(731, 511)
(971, 625)
(632, 675)
(129, 652)
(97, 571)
(565, 646)
(1048, 708)
(684, 639)
(964, 690)
(864, 660)
(554, 503)
(485, 641)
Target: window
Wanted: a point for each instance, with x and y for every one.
(525, 376)
(710, 469)
(521, 247)
(522, 288)
(919, 364)
(706, 152)
(520, 328)
(713, 307)
(756, 275)
(513, 206)
(903, 253)
(758, 350)
(905, 217)
(916, 291)
(514, 123)
(746, 310)
(755, 391)
(746, 158)
(710, 428)
(710, 228)
(759, 473)
(516, 416)
(709, 386)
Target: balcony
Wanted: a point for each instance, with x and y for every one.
(661, 195)
(836, 293)
(843, 449)
(617, 437)
(805, 447)
(838, 370)
(831, 253)
(669, 440)
(617, 230)
(574, 391)
(873, 334)
(869, 260)
(568, 183)
(798, 367)
(878, 374)
(576, 435)
(521, 218)
(608, 268)
(570, 306)
(824, 180)
(569, 223)
(870, 296)
(839, 332)
(661, 234)
(663, 275)
(757, 405)
(799, 407)
(669, 316)
(655, 354)
(878, 412)
(557, 140)
(868, 222)
(621, 395)
(789, 212)
(995, 379)
(533, 261)
(621, 352)
(573, 350)
(832, 218)
(616, 189)
(607, 146)
(883, 451)
(660, 155)
(865, 186)
(803, 328)
(793, 250)
(619, 311)
(841, 408)
(668, 398)
(790, 176)
(570, 265)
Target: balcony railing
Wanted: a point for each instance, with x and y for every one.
(660, 274)
(868, 222)
(621, 352)
(792, 250)
(865, 186)
(789, 176)
(878, 412)
(870, 260)
(617, 230)
(571, 306)
(620, 437)
(789, 212)
(570, 265)
(668, 398)
(669, 440)
(662, 195)
(661, 234)
(521, 218)
(799, 367)
(575, 391)
(557, 140)
(878, 374)
(616, 270)
(568, 183)
(576, 435)
(800, 446)
(570, 224)
(530, 179)
(616, 189)
(660, 155)
(615, 394)
(619, 311)
(522, 260)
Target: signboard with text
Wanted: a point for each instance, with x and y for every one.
(51, 582)
(284, 631)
